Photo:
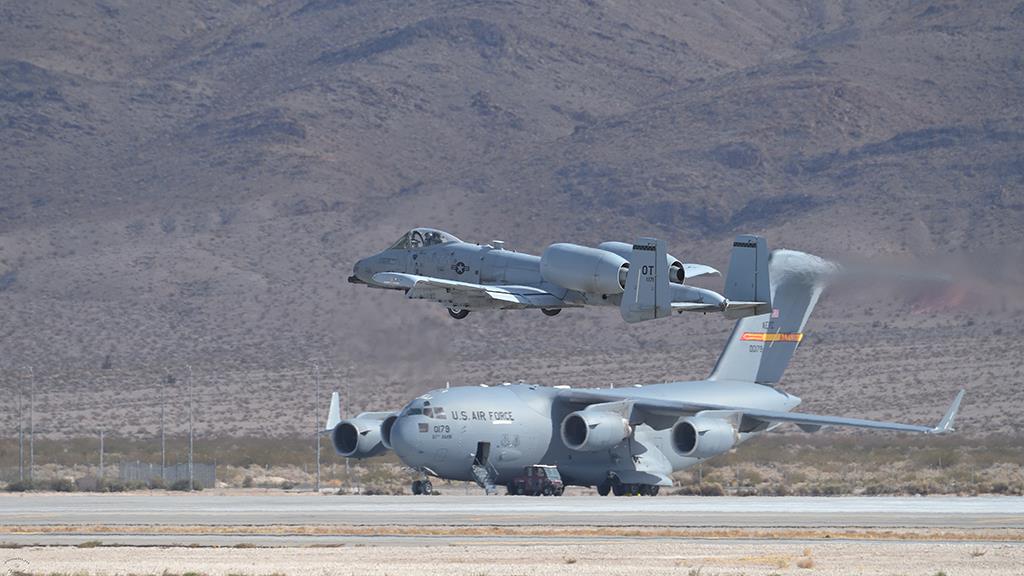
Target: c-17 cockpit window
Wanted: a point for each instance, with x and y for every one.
(436, 413)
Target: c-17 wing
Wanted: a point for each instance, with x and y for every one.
(468, 295)
(644, 407)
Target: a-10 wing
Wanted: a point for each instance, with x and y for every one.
(469, 295)
(809, 422)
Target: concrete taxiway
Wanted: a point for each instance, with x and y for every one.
(214, 517)
(303, 534)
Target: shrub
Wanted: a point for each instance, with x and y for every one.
(62, 485)
(112, 486)
(19, 486)
(712, 490)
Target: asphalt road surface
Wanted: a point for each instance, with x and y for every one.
(213, 510)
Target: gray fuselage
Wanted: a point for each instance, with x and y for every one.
(521, 425)
(487, 265)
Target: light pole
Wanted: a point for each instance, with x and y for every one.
(21, 433)
(101, 455)
(163, 437)
(316, 431)
(31, 423)
(190, 436)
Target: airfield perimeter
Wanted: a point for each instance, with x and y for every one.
(309, 534)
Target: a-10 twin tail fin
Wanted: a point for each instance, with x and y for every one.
(747, 284)
(649, 294)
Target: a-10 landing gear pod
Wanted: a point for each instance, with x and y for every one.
(458, 313)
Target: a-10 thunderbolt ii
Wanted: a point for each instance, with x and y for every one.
(434, 265)
(620, 440)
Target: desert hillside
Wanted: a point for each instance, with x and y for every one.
(190, 181)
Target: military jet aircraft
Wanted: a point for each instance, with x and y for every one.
(620, 440)
(434, 265)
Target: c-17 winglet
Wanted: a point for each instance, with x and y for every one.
(946, 424)
(334, 413)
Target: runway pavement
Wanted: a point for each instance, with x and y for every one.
(295, 519)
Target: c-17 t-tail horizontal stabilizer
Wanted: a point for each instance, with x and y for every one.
(647, 294)
(747, 285)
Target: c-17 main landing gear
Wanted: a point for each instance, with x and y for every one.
(620, 489)
(423, 487)
(458, 313)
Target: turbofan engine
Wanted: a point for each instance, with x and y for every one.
(584, 269)
(676, 274)
(589, 431)
(358, 437)
(703, 437)
(385, 430)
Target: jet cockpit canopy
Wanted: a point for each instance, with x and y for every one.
(423, 237)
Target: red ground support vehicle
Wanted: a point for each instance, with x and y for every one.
(537, 480)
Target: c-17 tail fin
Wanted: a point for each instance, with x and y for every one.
(333, 413)
(761, 346)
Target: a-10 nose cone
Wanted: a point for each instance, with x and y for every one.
(360, 273)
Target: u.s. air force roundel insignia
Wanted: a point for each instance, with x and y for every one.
(460, 268)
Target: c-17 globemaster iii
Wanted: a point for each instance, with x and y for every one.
(430, 264)
(620, 440)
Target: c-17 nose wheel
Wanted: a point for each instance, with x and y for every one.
(551, 311)
(604, 489)
(422, 487)
(458, 313)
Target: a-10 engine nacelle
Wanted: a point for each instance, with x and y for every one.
(584, 269)
(362, 437)
(676, 273)
(703, 437)
(592, 430)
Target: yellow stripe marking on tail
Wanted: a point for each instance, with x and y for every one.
(770, 337)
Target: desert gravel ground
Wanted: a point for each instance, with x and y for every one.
(714, 557)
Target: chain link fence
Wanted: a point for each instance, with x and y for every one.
(203, 475)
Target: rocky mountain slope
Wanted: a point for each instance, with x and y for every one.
(190, 182)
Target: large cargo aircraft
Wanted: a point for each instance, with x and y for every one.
(621, 440)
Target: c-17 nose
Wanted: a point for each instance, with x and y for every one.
(405, 439)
